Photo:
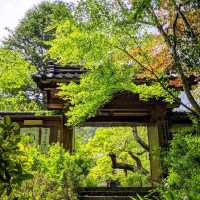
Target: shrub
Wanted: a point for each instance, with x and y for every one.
(183, 162)
(13, 162)
(56, 174)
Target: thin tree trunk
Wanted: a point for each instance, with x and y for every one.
(176, 59)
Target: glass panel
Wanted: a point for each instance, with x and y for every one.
(32, 132)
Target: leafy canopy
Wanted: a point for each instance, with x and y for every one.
(143, 39)
(15, 82)
(33, 30)
(109, 69)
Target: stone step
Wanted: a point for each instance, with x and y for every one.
(110, 193)
(105, 198)
(118, 193)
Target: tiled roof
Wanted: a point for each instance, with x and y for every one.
(57, 73)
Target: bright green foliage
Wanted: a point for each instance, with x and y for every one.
(56, 173)
(184, 168)
(13, 163)
(183, 164)
(15, 82)
(113, 40)
(30, 35)
(97, 87)
(118, 140)
(27, 42)
(75, 44)
(108, 67)
(13, 64)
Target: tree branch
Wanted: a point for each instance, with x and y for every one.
(176, 99)
(195, 106)
(160, 27)
(192, 34)
(128, 167)
(117, 165)
(139, 165)
(139, 140)
(180, 69)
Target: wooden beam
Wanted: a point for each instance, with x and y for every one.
(33, 122)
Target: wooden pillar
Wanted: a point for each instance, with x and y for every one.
(68, 138)
(158, 139)
(154, 154)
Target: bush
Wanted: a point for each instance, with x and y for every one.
(13, 162)
(26, 172)
(183, 162)
(56, 174)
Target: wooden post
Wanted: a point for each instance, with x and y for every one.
(154, 154)
(68, 138)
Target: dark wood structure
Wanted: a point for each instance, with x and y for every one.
(124, 109)
(51, 126)
(49, 78)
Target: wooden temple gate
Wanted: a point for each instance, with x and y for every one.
(124, 109)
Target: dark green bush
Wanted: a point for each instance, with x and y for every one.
(183, 162)
(13, 163)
